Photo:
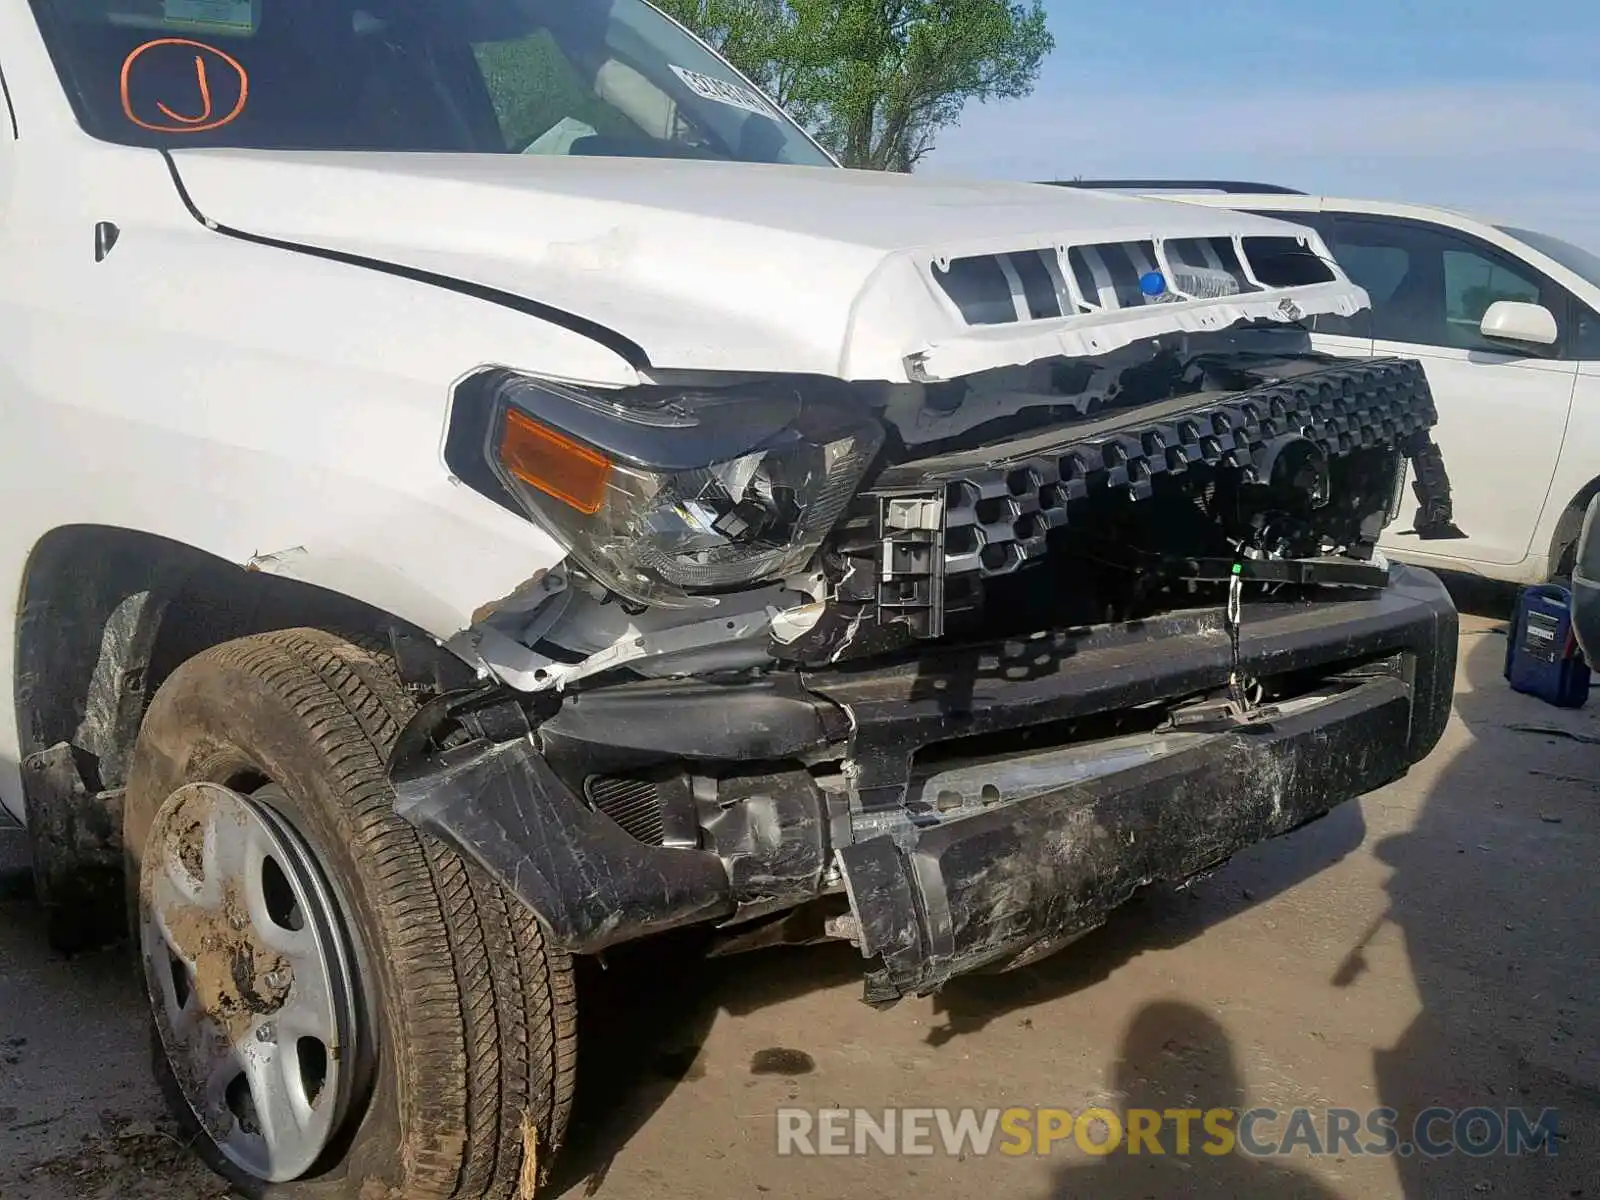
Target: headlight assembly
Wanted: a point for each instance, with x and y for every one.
(674, 494)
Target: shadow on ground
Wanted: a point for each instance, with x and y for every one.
(1493, 891)
(1479, 597)
(1174, 1056)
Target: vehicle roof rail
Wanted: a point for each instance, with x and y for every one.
(1227, 186)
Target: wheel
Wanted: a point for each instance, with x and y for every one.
(1565, 563)
(342, 1006)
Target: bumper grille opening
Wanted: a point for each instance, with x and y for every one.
(637, 805)
(1047, 282)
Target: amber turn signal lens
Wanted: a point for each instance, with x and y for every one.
(556, 465)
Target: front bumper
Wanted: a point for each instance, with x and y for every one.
(936, 893)
(986, 888)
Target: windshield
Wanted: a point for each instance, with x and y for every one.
(593, 77)
(1574, 258)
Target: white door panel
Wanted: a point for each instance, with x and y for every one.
(1501, 424)
(1580, 450)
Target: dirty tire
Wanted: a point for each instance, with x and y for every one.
(472, 1017)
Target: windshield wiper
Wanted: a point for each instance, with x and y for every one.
(601, 145)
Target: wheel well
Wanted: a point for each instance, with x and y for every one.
(1565, 539)
(106, 615)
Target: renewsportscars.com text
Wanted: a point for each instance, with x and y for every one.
(1256, 1132)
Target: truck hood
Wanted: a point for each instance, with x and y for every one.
(753, 268)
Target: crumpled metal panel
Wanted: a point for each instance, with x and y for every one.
(1085, 335)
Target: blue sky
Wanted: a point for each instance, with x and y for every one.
(1493, 107)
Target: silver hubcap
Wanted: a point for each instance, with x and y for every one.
(249, 976)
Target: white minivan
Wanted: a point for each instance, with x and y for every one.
(1505, 320)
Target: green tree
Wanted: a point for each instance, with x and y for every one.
(877, 80)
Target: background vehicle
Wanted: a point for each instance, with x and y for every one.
(1586, 584)
(482, 487)
(1505, 320)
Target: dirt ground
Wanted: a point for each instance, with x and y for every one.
(1435, 943)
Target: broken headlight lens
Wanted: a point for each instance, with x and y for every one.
(691, 494)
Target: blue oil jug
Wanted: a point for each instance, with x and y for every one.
(1542, 655)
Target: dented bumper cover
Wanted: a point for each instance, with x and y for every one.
(992, 886)
(937, 894)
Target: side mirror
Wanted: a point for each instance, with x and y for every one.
(1517, 321)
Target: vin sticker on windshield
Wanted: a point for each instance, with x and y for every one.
(722, 91)
(230, 18)
(222, 16)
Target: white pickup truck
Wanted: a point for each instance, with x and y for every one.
(482, 487)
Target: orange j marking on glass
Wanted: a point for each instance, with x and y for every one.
(180, 123)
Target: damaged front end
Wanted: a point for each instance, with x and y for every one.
(969, 663)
